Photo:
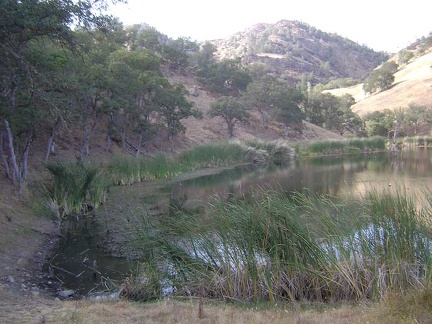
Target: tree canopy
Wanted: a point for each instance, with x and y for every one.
(382, 78)
(232, 110)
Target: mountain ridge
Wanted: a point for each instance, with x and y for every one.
(296, 48)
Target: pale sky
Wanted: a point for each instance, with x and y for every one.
(382, 25)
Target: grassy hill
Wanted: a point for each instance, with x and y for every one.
(412, 85)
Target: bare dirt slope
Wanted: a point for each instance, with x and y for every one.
(412, 85)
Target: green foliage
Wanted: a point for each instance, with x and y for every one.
(172, 107)
(76, 189)
(216, 154)
(273, 97)
(404, 57)
(123, 170)
(279, 152)
(417, 115)
(142, 36)
(382, 78)
(331, 112)
(379, 123)
(231, 110)
(178, 51)
(354, 145)
(305, 247)
(205, 59)
(227, 77)
(340, 83)
(288, 107)
(29, 72)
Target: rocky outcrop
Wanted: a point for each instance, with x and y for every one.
(292, 49)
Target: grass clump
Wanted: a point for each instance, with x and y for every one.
(306, 247)
(128, 170)
(216, 154)
(278, 152)
(417, 141)
(75, 188)
(348, 146)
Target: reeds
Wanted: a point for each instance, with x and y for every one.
(417, 141)
(128, 170)
(348, 146)
(217, 154)
(75, 188)
(305, 247)
(278, 152)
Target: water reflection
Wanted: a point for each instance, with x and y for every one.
(329, 175)
(350, 175)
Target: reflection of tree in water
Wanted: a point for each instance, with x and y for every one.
(327, 175)
(177, 199)
(417, 163)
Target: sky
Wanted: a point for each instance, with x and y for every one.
(382, 25)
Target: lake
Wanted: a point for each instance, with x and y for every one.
(94, 256)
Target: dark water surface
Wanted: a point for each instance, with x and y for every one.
(92, 254)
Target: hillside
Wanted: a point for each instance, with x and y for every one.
(291, 49)
(201, 131)
(412, 85)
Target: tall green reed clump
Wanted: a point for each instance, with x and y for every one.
(397, 241)
(418, 141)
(75, 188)
(216, 154)
(127, 170)
(347, 146)
(305, 247)
(278, 152)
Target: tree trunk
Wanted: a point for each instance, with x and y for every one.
(139, 145)
(15, 168)
(123, 137)
(86, 140)
(25, 156)
(109, 142)
(50, 148)
(263, 118)
(4, 160)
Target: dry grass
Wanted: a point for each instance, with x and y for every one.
(208, 129)
(15, 309)
(412, 85)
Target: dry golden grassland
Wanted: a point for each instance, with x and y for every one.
(412, 85)
(15, 309)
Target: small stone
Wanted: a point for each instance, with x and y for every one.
(35, 293)
(10, 279)
(57, 299)
(66, 293)
(23, 286)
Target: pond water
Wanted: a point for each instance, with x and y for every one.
(92, 256)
